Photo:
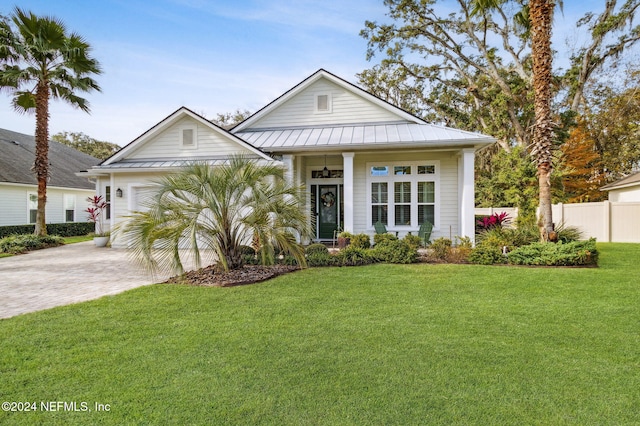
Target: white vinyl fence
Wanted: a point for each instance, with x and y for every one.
(605, 221)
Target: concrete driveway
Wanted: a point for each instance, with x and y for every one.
(63, 275)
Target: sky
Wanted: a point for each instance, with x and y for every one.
(212, 56)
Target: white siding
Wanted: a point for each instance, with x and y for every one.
(14, 206)
(625, 195)
(347, 107)
(168, 144)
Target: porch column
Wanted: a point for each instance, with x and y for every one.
(347, 158)
(287, 159)
(467, 193)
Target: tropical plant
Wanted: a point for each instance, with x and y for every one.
(39, 61)
(219, 208)
(496, 220)
(96, 213)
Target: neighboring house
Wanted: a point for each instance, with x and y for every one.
(361, 159)
(624, 190)
(66, 192)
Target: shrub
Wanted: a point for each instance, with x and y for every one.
(353, 256)
(316, 248)
(576, 253)
(567, 234)
(496, 220)
(395, 251)
(361, 241)
(441, 248)
(16, 244)
(316, 259)
(507, 237)
(486, 254)
(412, 241)
(378, 238)
(69, 229)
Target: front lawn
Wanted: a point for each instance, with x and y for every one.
(381, 344)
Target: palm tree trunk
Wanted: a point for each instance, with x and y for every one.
(541, 13)
(41, 166)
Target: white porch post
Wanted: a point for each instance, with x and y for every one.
(287, 159)
(467, 193)
(347, 158)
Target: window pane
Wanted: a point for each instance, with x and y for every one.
(403, 214)
(380, 171)
(32, 216)
(323, 102)
(379, 214)
(402, 192)
(187, 137)
(379, 192)
(33, 201)
(426, 192)
(425, 212)
(426, 170)
(69, 215)
(402, 170)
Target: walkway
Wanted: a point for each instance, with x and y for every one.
(63, 275)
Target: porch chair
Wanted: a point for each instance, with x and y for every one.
(425, 232)
(380, 228)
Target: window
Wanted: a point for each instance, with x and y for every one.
(402, 202)
(379, 202)
(323, 103)
(188, 137)
(69, 208)
(33, 207)
(404, 194)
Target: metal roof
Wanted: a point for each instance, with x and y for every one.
(162, 163)
(362, 136)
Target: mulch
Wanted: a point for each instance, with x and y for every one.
(214, 277)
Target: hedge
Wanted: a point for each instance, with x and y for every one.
(70, 229)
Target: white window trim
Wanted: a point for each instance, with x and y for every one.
(194, 129)
(329, 109)
(413, 178)
(29, 194)
(66, 197)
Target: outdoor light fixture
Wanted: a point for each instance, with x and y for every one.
(325, 171)
(119, 193)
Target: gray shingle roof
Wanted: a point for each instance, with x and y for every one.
(17, 154)
(631, 180)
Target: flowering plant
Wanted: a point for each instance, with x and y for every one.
(496, 220)
(95, 211)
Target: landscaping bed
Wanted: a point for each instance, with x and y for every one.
(211, 276)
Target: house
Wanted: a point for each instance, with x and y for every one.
(624, 190)
(361, 159)
(66, 192)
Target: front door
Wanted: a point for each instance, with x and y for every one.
(327, 211)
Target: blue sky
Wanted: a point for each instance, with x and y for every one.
(210, 56)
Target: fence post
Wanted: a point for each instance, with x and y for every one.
(606, 205)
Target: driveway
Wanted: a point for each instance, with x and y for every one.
(63, 275)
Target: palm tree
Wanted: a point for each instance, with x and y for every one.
(219, 209)
(536, 17)
(541, 15)
(39, 61)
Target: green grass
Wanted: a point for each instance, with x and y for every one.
(382, 344)
(78, 239)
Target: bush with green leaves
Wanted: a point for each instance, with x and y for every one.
(412, 241)
(394, 251)
(353, 256)
(69, 229)
(576, 253)
(316, 248)
(317, 259)
(441, 248)
(486, 254)
(378, 238)
(15, 244)
(361, 241)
